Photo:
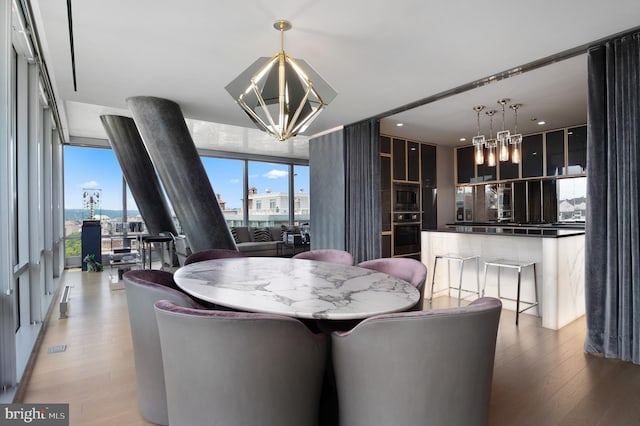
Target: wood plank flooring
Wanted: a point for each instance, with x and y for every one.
(541, 377)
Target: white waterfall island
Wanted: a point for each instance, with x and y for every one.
(558, 254)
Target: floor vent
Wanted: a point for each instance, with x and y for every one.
(64, 301)
(57, 348)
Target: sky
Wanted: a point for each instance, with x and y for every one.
(94, 168)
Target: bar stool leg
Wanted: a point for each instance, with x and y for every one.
(518, 296)
(484, 285)
(433, 277)
(535, 289)
(478, 276)
(460, 270)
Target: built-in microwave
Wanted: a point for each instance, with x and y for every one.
(406, 197)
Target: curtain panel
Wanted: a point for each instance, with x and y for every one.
(613, 192)
(363, 215)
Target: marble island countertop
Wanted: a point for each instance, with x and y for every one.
(513, 230)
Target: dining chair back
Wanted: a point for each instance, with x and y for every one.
(241, 368)
(428, 367)
(327, 255)
(212, 254)
(144, 287)
(404, 268)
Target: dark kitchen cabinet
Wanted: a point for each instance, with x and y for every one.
(486, 173)
(413, 161)
(385, 192)
(577, 150)
(428, 154)
(555, 153)
(399, 159)
(385, 145)
(532, 158)
(509, 170)
(466, 172)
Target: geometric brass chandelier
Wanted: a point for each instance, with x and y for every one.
(503, 141)
(282, 96)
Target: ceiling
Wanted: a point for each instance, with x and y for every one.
(378, 57)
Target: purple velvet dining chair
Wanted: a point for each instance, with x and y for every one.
(240, 368)
(144, 287)
(327, 255)
(404, 268)
(212, 254)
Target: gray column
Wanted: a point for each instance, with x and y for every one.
(139, 173)
(171, 148)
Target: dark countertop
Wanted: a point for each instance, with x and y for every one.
(513, 231)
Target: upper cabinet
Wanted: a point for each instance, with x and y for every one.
(466, 170)
(532, 156)
(399, 159)
(555, 153)
(577, 150)
(406, 160)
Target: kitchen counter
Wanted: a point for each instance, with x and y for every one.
(510, 230)
(558, 253)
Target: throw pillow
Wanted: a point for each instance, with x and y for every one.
(234, 233)
(261, 235)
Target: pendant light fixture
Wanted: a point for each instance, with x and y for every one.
(478, 141)
(491, 143)
(282, 96)
(516, 138)
(503, 136)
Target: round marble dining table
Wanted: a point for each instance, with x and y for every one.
(296, 287)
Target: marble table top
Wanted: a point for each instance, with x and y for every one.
(296, 287)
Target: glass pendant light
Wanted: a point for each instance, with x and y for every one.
(503, 136)
(478, 141)
(491, 143)
(516, 138)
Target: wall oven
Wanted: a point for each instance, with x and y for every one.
(406, 197)
(406, 238)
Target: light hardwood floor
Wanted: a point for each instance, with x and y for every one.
(541, 377)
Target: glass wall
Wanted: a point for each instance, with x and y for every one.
(227, 180)
(268, 194)
(301, 195)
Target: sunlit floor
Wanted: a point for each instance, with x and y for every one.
(541, 377)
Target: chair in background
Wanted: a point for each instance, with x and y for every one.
(404, 268)
(428, 367)
(182, 248)
(145, 287)
(241, 368)
(212, 254)
(327, 255)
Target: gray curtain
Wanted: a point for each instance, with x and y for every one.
(363, 216)
(613, 193)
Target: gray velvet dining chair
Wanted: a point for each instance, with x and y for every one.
(241, 368)
(327, 255)
(144, 287)
(211, 254)
(418, 368)
(404, 268)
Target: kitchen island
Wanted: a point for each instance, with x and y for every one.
(558, 254)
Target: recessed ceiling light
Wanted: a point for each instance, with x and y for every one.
(463, 139)
(399, 124)
(541, 123)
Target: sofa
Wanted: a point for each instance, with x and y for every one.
(260, 241)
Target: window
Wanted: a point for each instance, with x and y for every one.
(268, 185)
(227, 180)
(92, 188)
(300, 194)
(572, 199)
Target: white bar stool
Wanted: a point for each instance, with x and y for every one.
(517, 265)
(461, 261)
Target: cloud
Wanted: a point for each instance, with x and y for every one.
(90, 184)
(276, 174)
